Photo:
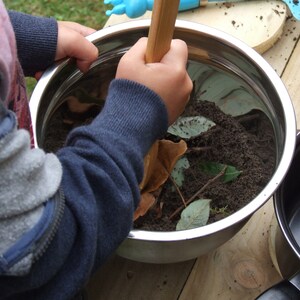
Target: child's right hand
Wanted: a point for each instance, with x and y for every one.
(168, 78)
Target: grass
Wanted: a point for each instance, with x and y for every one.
(89, 13)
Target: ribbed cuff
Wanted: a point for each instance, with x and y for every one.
(36, 41)
(132, 110)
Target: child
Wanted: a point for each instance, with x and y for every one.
(62, 215)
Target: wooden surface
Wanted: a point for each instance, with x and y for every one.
(241, 268)
(257, 23)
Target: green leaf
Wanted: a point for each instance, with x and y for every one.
(187, 127)
(214, 168)
(178, 170)
(194, 215)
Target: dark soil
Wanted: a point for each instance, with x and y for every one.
(245, 142)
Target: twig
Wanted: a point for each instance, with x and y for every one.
(197, 149)
(198, 192)
(159, 210)
(178, 190)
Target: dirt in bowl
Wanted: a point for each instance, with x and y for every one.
(245, 142)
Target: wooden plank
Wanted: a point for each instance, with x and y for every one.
(291, 80)
(279, 54)
(257, 23)
(124, 279)
(240, 269)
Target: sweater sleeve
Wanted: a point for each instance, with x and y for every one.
(102, 167)
(36, 41)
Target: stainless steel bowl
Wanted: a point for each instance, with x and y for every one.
(208, 48)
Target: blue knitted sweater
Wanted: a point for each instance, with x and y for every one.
(79, 203)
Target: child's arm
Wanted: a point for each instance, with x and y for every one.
(36, 41)
(41, 41)
(102, 166)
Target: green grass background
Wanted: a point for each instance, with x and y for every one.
(89, 13)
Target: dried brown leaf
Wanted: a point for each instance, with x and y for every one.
(158, 164)
(147, 201)
(167, 155)
(149, 163)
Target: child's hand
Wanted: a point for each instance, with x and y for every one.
(169, 78)
(71, 43)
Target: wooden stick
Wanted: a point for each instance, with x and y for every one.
(161, 30)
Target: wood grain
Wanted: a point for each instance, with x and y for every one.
(240, 269)
(258, 23)
(161, 29)
(291, 80)
(278, 56)
(122, 279)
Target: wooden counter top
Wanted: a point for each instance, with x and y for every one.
(242, 268)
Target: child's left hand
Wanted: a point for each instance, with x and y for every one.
(71, 42)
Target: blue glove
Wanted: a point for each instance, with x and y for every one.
(136, 8)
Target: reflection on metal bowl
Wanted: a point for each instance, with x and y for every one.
(230, 65)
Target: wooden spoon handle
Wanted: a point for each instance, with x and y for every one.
(161, 30)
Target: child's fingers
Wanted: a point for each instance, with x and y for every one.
(133, 59)
(71, 43)
(83, 30)
(85, 54)
(137, 51)
(177, 55)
